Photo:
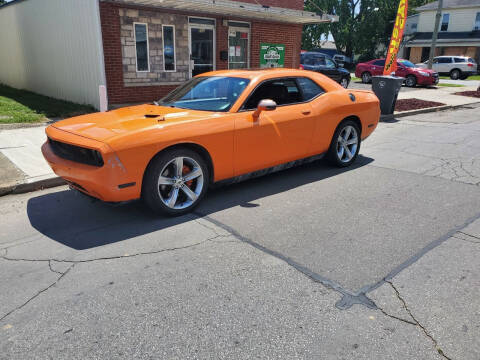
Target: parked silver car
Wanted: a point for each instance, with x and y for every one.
(457, 67)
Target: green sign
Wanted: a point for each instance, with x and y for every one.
(272, 55)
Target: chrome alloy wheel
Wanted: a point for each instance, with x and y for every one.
(180, 183)
(347, 144)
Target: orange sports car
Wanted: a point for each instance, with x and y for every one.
(223, 125)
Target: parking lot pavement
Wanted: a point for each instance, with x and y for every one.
(379, 261)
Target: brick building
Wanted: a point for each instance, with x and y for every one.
(142, 49)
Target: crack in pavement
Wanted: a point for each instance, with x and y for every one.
(75, 262)
(51, 269)
(5, 257)
(348, 298)
(416, 322)
(469, 241)
(473, 236)
(38, 293)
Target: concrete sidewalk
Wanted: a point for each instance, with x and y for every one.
(22, 166)
(445, 95)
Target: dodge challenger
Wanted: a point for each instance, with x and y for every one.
(217, 127)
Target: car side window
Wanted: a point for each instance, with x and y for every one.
(445, 60)
(308, 60)
(435, 61)
(320, 61)
(330, 64)
(379, 63)
(282, 91)
(309, 88)
(459, 60)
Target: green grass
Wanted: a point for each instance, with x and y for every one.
(474, 77)
(22, 106)
(354, 78)
(450, 85)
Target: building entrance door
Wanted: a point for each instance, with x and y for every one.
(238, 46)
(202, 45)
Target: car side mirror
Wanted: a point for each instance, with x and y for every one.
(264, 105)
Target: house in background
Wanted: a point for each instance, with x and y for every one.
(141, 49)
(459, 31)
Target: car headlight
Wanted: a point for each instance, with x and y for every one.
(424, 73)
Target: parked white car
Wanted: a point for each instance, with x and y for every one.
(457, 67)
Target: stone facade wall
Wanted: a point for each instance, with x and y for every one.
(154, 20)
(125, 85)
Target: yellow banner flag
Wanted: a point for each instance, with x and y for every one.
(396, 40)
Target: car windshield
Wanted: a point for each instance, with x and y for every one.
(209, 93)
(406, 63)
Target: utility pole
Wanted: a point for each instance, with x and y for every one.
(435, 33)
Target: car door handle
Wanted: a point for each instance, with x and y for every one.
(306, 112)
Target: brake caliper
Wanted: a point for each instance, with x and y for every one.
(185, 171)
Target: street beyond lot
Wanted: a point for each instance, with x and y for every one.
(379, 261)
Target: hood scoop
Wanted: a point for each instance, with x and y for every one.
(155, 116)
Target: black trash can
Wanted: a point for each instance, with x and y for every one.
(387, 87)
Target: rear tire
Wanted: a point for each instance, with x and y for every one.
(366, 77)
(345, 144)
(455, 74)
(175, 182)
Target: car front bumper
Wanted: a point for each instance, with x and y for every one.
(110, 182)
(428, 80)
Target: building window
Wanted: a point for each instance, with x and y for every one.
(169, 48)
(141, 47)
(414, 27)
(477, 22)
(445, 20)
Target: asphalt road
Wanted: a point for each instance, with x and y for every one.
(379, 261)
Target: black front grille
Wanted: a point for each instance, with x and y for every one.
(76, 153)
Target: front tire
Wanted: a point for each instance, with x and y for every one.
(345, 144)
(175, 182)
(411, 81)
(344, 82)
(366, 77)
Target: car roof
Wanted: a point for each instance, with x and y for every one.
(316, 53)
(255, 73)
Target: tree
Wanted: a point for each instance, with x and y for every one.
(363, 26)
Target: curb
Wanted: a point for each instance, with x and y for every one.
(431, 109)
(23, 188)
(11, 126)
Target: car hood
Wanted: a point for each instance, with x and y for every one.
(429, 71)
(104, 126)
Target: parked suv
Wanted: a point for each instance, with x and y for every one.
(406, 69)
(457, 67)
(324, 64)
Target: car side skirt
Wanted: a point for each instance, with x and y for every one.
(267, 171)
